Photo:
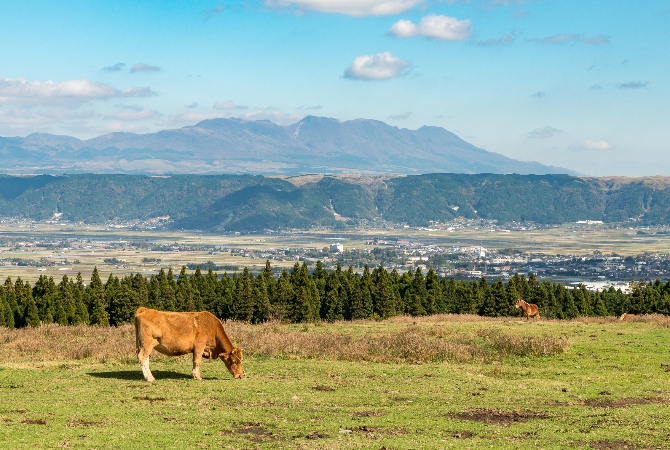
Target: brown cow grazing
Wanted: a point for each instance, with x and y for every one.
(529, 309)
(179, 333)
(625, 317)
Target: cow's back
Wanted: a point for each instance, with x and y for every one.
(176, 332)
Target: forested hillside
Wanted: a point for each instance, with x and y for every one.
(305, 296)
(250, 203)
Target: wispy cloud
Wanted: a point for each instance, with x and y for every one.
(565, 38)
(141, 67)
(600, 39)
(273, 115)
(192, 105)
(561, 38)
(634, 85)
(506, 39)
(544, 132)
(441, 28)
(309, 107)
(403, 116)
(115, 68)
(591, 145)
(491, 4)
(228, 105)
(381, 66)
(188, 118)
(22, 91)
(596, 87)
(349, 7)
(539, 94)
(133, 115)
(130, 107)
(518, 14)
(218, 9)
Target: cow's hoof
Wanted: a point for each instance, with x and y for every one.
(151, 380)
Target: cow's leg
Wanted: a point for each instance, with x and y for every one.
(197, 359)
(143, 353)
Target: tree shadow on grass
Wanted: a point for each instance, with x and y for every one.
(136, 375)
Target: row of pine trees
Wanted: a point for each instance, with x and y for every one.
(302, 295)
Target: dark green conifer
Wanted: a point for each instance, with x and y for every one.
(96, 301)
(243, 305)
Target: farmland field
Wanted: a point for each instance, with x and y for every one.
(434, 382)
(79, 248)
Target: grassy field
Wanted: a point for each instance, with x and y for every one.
(438, 382)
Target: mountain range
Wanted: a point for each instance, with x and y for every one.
(255, 203)
(312, 145)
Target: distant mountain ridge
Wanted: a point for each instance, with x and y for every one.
(312, 145)
(256, 203)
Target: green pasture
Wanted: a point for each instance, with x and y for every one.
(607, 390)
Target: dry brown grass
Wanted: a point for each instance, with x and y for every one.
(657, 319)
(396, 341)
(54, 342)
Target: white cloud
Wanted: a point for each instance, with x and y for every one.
(17, 117)
(192, 105)
(188, 118)
(539, 94)
(134, 115)
(141, 67)
(561, 38)
(591, 145)
(119, 127)
(600, 39)
(22, 91)
(376, 67)
(228, 105)
(130, 107)
(115, 68)
(496, 3)
(544, 132)
(405, 115)
(442, 28)
(309, 107)
(273, 115)
(350, 7)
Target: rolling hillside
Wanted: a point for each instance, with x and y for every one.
(249, 203)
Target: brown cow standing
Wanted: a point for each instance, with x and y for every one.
(179, 333)
(529, 309)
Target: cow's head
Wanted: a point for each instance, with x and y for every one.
(519, 303)
(233, 361)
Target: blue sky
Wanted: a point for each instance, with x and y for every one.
(576, 84)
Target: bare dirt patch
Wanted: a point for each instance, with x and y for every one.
(502, 418)
(35, 421)
(150, 399)
(82, 423)
(255, 432)
(369, 413)
(316, 435)
(323, 388)
(461, 434)
(622, 402)
(613, 445)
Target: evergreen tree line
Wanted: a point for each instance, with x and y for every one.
(302, 295)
